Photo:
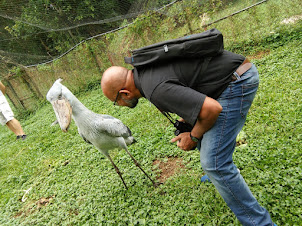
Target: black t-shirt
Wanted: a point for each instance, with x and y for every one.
(180, 86)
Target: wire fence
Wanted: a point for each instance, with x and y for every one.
(42, 42)
(99, 35)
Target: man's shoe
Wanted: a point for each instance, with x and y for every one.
(21, 136)
(204, 179)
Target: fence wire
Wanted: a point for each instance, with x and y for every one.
(77, 40)
(132, 15)
(44, 30)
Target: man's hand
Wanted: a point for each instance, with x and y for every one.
(184, 141)
(208, 114)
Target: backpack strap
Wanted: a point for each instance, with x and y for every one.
(128, 60)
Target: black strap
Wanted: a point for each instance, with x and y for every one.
(128, 60)
(168, 116)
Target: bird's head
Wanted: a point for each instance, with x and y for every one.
(57, 97)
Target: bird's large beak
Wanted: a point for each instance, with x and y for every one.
(63, 113)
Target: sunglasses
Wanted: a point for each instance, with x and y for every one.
(117, 95)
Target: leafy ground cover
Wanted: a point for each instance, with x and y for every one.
(70, 182)
(56, 178)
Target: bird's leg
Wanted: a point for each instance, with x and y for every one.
(138, 165)
(118, 171)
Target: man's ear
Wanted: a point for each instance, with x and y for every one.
(124, 91)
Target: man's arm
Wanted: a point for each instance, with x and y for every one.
(207, 117)
(2, 87)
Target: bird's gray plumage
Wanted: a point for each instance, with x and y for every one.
(103, 131)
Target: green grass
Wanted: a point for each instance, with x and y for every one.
(88, 191)
(82, 188)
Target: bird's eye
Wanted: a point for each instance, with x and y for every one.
(60, 97)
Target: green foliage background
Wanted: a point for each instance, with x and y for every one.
(83, 188)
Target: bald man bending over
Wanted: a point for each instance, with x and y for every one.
(215, 100)
(118, 85)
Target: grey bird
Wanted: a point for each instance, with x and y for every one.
(103, 131)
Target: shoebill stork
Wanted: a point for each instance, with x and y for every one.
(103, 131)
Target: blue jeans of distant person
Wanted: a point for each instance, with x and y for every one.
(217, 147)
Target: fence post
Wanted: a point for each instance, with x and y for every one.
(35, 90)
(15, 94)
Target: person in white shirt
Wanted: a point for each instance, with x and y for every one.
(7, 116)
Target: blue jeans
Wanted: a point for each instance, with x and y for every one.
(218, 144)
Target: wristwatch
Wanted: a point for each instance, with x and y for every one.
(195, 139)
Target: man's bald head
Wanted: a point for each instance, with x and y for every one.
(113, 79)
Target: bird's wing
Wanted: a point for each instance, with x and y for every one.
(84, 138)
(112, 126)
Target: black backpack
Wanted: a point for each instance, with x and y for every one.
(205, 44)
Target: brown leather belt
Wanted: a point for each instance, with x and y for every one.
(246, 65)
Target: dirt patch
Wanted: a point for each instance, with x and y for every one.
(29, 209)
(168, 168)
(43, 202)
(259, 54)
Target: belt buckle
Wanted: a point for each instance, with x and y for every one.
(235, 76)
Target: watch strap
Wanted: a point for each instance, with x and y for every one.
(195, 139)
